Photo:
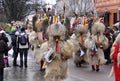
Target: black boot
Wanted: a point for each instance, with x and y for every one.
(97, 70)
(15, 64)
(7, 65)
(93, 68)
(21, 64)
(25, 65)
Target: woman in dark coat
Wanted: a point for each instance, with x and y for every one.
(3, 47)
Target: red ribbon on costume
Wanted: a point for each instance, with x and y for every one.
(82, 40)
(98, 39)
(44, 36)
(57, 47)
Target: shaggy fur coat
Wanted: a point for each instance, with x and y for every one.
(57, 69)
(96, 57)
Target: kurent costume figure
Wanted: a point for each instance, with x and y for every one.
(56, 52)
(115, 56)
(95, 45)
(79, 36)
(36, 37)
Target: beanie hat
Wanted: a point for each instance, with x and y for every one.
(13, 29)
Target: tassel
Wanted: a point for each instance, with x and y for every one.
(45, 15)
(56, 19)
(85, 22)
(57, 47)
(51, 20)
(59, 19)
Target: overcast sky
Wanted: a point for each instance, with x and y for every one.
(50, 1)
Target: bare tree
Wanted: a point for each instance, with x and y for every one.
(2, 16)
(16, 9)
(76, 7)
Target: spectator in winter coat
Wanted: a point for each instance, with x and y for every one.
(5, 39)
(3, 48)
(23, 46)
(15, 46)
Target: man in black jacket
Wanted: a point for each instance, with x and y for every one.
(14, 45)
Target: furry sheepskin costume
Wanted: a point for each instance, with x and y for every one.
(79, 37)
(37, 37)
(115, 56)
(98, 27)
(57, 62)
(95, 45)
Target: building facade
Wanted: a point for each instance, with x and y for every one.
(109, 9)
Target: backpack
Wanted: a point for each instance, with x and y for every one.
(23, 40)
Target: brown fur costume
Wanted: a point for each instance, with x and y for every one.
(36, 39)
(96, 55)
(57, 69)
(98, 58)
(79, 38)
(98, 27)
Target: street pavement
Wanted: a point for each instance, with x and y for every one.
(32, 73)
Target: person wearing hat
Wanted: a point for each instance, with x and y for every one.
(38, 33)
(5, 39)
(14, 44)
(29, 28)
(23, 46)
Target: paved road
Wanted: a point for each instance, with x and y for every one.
(32, 73)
